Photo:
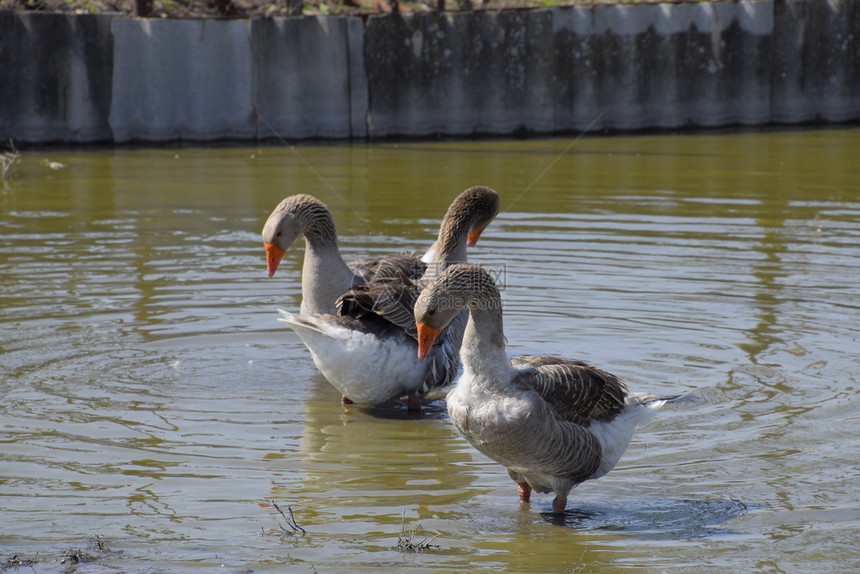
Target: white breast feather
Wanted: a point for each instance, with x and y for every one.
(362, 366)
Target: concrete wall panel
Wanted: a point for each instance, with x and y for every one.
(55, 77)
(460, 73)
(182, 79)
(816, 64)
(301, 77)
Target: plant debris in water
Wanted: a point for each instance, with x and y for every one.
(16, 562)
(295, 529)
(94, 549)
(90, 550)
(407, 542)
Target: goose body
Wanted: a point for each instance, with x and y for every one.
(373, 365)
(368, 348)
(551, 422)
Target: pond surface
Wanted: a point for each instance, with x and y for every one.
(153, 409)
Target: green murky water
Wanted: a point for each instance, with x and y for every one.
(153, 408)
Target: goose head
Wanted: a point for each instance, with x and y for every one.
(482, 205)
(295, 215)
(460, 285)
(468, 215)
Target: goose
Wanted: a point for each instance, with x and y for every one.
(325, 275)
(367, 350)
(551, 422)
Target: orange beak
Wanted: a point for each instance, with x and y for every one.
(426, 336)
(273, 257)
(472, 237)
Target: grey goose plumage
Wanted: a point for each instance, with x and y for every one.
(551, 422)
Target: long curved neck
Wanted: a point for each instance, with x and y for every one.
(450, 247)
(451, 243)
(325, 275)
(483, 350)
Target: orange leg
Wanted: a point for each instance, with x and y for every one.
(413, 404)
(345, 400)
(559, 504)
(525, 491)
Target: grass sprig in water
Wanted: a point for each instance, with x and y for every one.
(407, 542)
(295, 529)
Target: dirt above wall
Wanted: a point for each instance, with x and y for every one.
(268, 8)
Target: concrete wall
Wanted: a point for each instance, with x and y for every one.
(55, 78)
(192, 79)
(628, 66)
(816, 62)
(108, 79)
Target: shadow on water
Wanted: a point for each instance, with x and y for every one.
(436, 409)
(658, 519)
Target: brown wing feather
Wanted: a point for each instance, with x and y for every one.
(391, 299)
(576, 391)
(379, 268)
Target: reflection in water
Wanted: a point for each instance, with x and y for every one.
(768, 271)
(151, 397)
(356, 461)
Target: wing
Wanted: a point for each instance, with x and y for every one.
(391, 299)
(576, 391)
(378, 268)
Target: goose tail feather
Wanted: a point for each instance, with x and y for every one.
(295, 321)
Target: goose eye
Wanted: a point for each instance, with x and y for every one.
(278, 234)
(431, 312)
